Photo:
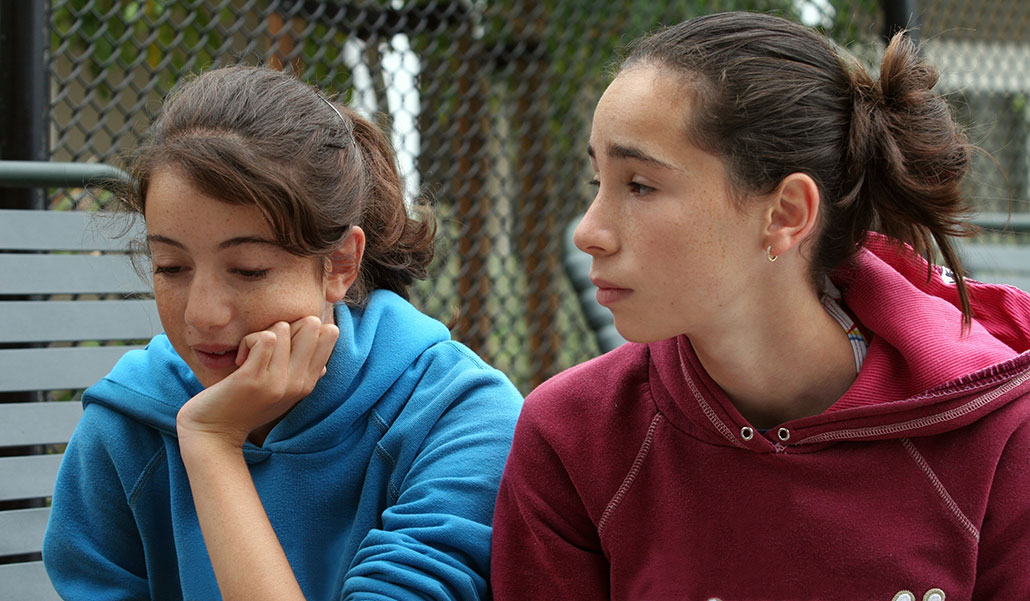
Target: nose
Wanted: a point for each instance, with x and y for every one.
(594, 235)
(208, 305)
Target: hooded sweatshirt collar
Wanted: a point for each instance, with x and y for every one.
(923, 374)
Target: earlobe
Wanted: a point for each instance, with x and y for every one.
(345, 265)
(793, 213)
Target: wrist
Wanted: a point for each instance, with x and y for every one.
(198, 442)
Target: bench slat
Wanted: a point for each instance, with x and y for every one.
(33, 369)
(27, 582)
(997, 263)
(69, 274)
(59, 321)
(66, 230)
(995, 257)
(28, 477)
(23, 530)
(38, 423)
(1021, 282)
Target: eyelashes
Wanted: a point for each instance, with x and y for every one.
(251, 274)
(246, 274)
(635, 188)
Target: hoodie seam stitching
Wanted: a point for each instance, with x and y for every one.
(379, 423)
(921, 422)
(706, 408)
(391, 488)
(144, 477)
(941, 490)
(631, 476)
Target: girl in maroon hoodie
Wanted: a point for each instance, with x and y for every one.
(806, 410)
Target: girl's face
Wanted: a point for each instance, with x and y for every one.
(219, 275)
(672, 253)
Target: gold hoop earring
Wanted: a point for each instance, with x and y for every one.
(768, 254)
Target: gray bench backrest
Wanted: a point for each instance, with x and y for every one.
(1000, 262)
(70, 305)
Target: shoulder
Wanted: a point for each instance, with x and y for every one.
(108, 447)
(449, 387)
(597, 413)
(102, 425)
(580, 431)
(595, 392)
(454, 369)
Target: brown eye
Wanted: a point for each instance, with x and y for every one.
(638, 189)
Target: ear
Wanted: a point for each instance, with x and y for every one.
(344, 265)
(793, 213)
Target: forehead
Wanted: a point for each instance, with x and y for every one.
(644, 107)
(173, 201)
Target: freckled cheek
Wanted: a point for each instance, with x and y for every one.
(171, 305)
(282, 302)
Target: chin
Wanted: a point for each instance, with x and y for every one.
(642, 335)
(208, 379)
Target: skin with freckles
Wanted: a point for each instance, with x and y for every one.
(670, 249)
(253, 321)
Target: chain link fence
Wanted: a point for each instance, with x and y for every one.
(489, 104)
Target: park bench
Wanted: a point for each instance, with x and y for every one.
(70, 305)
(1003, 262)
(1000, 262)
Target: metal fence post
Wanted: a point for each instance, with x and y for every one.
(25, 99)
(900, 15)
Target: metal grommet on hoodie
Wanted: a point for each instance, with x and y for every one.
(747, 432)
(783, 434)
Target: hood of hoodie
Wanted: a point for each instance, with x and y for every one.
(152, 384)
(923, 373)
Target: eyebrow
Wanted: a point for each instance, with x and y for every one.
(230, 243)
(620, 151)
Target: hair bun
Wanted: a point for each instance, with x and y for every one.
(905, 79)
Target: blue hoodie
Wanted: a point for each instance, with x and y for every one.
(380, 484)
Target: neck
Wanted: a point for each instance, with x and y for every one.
(781, 362)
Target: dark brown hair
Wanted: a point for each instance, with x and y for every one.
(258, 137)
(772, 97)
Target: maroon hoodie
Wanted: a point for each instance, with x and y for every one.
(632, 476)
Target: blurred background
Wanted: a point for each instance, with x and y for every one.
(488, 103)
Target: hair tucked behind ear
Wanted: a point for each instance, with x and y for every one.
(771, 98)
(258, 137)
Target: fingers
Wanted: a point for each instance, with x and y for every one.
(292, 356)
(328, 334)
(257, 347)
(280, 361)
(277, 367)
(312, 343)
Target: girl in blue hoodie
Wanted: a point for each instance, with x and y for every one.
(299, 431)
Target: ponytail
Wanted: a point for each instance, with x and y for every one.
(907, 158)
(398, 247)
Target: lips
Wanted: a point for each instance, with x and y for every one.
(215, 356)
(609, 293)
